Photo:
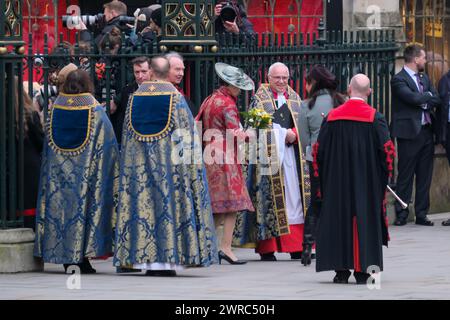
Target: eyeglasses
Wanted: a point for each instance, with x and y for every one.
(280, 78)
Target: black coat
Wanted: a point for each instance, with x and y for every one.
(121, 101)
(353, 172)
(442, 114)
(33, 144)
(245, 26)
(407, 104)
(85, 35)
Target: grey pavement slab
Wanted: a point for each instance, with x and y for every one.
(416, 264)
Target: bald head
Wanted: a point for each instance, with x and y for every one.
(359, 86)
(160, 68)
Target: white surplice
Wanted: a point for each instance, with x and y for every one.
(292, 196)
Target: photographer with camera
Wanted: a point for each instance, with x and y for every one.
(143, 32)
(231, 17)
(114, 15)
(56, 82)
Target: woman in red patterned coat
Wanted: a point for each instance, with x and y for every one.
(227, 186)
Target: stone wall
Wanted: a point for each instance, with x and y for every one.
(372, 15)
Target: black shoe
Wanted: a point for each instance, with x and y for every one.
(342, 276)
(296, 255)
(268, 257)
(400, 222)
(84, 267)
(67, 265)
(446, 223)
(424, 222)
(126, 270)
(361, 277)
(222, 255)
(161, 273)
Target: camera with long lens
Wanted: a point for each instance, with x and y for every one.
(228, 12)
(125, 20)
(52, 92)
(88, 20)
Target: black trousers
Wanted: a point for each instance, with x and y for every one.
(447, 146)
(315, 185)
(415, 158)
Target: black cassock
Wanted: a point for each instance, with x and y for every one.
(353, 158)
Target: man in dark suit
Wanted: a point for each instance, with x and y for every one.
(444, 118)
(413, 102)
(141, 72)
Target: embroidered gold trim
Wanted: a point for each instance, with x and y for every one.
(265, 97)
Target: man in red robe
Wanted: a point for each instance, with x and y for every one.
(353, 160)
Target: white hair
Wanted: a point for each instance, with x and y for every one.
(173, 54)
(277, 64)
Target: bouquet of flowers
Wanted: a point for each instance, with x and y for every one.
(257, 118)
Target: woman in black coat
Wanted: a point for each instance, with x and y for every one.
(33, 143)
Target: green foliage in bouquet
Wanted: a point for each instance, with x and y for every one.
(257, 118)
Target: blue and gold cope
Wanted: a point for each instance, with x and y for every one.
(79, 180)
(267, 191)
(164, 209)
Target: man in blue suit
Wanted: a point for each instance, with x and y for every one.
(413, 103)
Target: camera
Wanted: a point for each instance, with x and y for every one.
(88, 20)
(125, 20)
(52, 95)
(228, 12)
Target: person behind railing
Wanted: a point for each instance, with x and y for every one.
(112, 12)
(156, 22)
(78, 182)
(321, 86)
(109, 48)
(176, 75)
(53, 88)
(227, 186)
(84, 48)
(144, 33)
(141, 72)
(32, 147)
(231, 17)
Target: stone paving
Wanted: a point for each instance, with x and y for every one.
(417, 266)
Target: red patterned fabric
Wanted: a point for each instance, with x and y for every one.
(389, 149)
(315, 165)
(227, 186)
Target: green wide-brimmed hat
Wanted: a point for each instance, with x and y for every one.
(234, 76)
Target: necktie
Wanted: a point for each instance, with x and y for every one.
(426, 113)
